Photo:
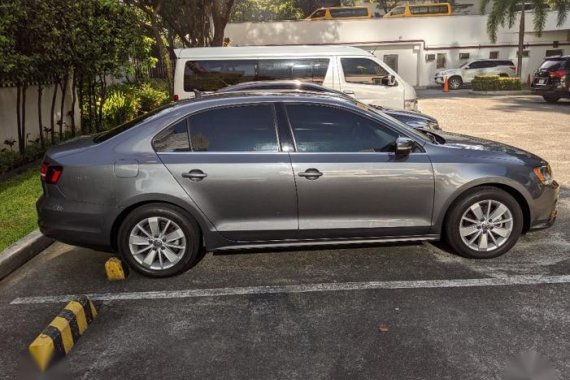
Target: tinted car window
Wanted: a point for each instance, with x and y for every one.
(477, 65)
(552, 64)
(349, 12)
(398, 11)
(362, 70)
(327, 129)
(306, 70)
(173, 139)
(319, 13)
(213, 75)
(235, 129)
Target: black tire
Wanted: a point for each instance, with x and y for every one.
(190, 228)
(463, 203)
(551, 98)
(455, 82)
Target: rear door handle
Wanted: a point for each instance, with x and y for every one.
(195, 175)
(348, 92)
(311, 174)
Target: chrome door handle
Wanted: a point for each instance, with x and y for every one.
(311, 174)
(348, 92)
(195, 175)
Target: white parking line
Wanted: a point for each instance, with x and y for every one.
(304, 288)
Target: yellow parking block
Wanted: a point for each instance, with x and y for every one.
(115, 269)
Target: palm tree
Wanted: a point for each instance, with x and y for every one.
(504, 12)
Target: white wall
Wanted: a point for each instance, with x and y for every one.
(8, 119)
(449, 35)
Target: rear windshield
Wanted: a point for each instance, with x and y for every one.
(552, 64)
(106, 135)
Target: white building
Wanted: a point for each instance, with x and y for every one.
(414, 47)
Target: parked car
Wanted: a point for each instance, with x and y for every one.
(411, 118)
(340, 13)
(469, 70)
(350, 70)
(420, 10)
(232, 170)
(552, 79)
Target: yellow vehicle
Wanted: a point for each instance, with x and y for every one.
(335, 13)
(420, 10)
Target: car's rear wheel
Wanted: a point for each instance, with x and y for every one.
(484, 223)
(551, 98)
(159, 240)
(455, 82)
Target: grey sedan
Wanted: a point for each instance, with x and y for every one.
(234, 171)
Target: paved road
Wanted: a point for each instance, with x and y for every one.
(409, 311)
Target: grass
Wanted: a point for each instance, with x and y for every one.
(18, 197)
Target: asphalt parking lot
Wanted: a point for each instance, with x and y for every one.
(410, 311)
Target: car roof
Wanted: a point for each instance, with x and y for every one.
(268, 51)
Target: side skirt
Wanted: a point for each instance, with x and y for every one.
(326, 242)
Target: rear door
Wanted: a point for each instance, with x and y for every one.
(231, 165)
(362, 78)
(349, 182)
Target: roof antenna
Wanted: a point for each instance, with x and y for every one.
(197, 93)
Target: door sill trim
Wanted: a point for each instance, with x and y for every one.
(325, 242)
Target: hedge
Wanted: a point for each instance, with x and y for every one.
(496, 83)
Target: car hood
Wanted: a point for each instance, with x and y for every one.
(409, 114)
(448, 72)
(470, 143)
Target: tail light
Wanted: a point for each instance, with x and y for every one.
(175, 97)
(514, 68)
(558, 74)
(50, 174)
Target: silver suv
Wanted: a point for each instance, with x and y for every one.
(469, 70)
(235, 170)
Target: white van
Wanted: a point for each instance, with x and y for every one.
(351, 70)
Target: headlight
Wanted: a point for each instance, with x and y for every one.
(544, 174)
(411, 105)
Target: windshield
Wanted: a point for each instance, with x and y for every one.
(464, 64)
(551, 64)
(106, 135)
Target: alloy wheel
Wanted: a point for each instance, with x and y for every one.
(486, 225)
(157, 243)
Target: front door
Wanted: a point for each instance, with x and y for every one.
(233, 169)
(362, 78)
(349, 181)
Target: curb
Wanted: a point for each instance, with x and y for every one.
(500, 93)
(21, 251)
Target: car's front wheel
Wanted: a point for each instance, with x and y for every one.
(551, 98)
(159, 240)
(484, 223)
(455, 82)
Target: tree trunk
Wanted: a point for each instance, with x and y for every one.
(61, 121)
(73, 101)
(99, 111)
(40, 126)
(19, 118)
(521, 42)
(162, 50)
(52, 114)
(81, 102)
(23, 130)
(221, 10)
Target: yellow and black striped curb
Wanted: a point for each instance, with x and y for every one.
(116, 270)
(63, 332)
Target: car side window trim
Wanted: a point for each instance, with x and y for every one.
(188, 116)
(285, 104)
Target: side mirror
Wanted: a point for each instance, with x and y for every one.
(404, 146)
(389, 80)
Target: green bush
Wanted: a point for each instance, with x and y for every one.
(496, 83)
(150, 98)
(119, 108)
(127, 101)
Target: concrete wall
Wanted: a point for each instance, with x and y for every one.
(411, 38)
(8, 119)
